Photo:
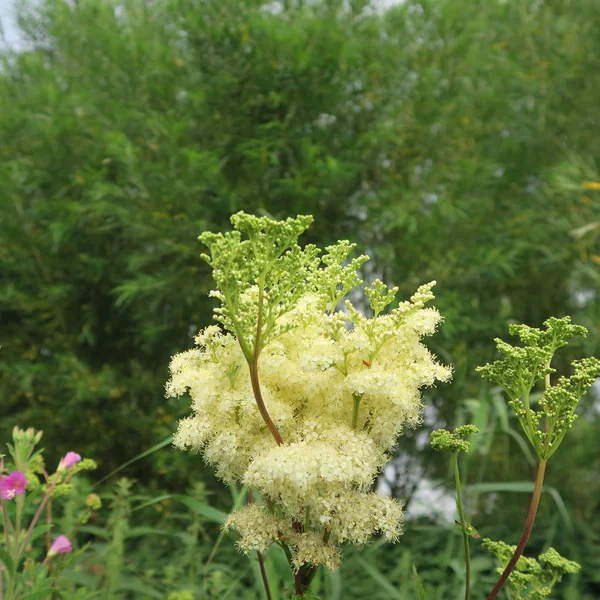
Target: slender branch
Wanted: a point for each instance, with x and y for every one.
(8, 527)
(546, 423)
(40, 509)
(310, 575)
(299, 575)
(535, 500)
(261, 403)
(264, 413)
(357, 398)
(461, 516)
(298, 584)
(38, 512)
(313, 570)
(263, 574)
(49, 523)
(261, 562)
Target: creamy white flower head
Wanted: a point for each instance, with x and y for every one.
(338, 388)
(310, 549)
(258, 527)
(294, 472)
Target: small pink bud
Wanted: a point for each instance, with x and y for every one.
(12, 485)
(61, 545)
(68, 460)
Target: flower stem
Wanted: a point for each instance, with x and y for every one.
(261, 403)
(298, 584)
(263, 574)
(461, 516)
(253, 364)
(535, 500)
(357, 398)
(49, 524)
(261, 562)
(38, 512)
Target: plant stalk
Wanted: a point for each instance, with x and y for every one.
(461, 516)
(253, 364)
(535, 500)
(263, 574)
(261, 403)
(298, 584)
(261, 562)
(356, 398)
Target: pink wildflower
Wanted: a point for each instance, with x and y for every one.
(61, 545)
(12, 484)
(68, 460)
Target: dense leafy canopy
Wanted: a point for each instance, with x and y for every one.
(456, 141)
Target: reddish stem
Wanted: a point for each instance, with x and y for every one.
(263, 574)
(535, 500)
(261, 403)
(254, 375)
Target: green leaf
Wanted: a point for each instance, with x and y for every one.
(524, 487)
(39, 530)
(6, 558)
(380, 579)
(500, 406)
(334, 582)
(97, 531)
(154, 448)
(154, 501)
(141, 531)
(238, 495)
(41, 595)
(132, 585)
(212, 514)
(418, 583)
(523, 444)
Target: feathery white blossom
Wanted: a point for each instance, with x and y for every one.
(339, 388)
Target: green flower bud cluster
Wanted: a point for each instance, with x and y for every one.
(60, 489)
(26, 435)
(530, 577)
(524, 366)
(261, 278)
(23, 446)
(560, 401)
(93, 503)
(443, 440)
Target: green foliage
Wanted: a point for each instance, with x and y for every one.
(455, 140)
(28, 570)
(133, 130)
(418, 584)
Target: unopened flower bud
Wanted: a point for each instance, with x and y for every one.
(61, 545)
(68, 460)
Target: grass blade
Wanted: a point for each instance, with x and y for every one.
(154, 448)
(418, 584)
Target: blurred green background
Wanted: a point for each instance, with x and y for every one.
(455, 141)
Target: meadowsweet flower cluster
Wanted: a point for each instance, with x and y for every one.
(299, 400)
